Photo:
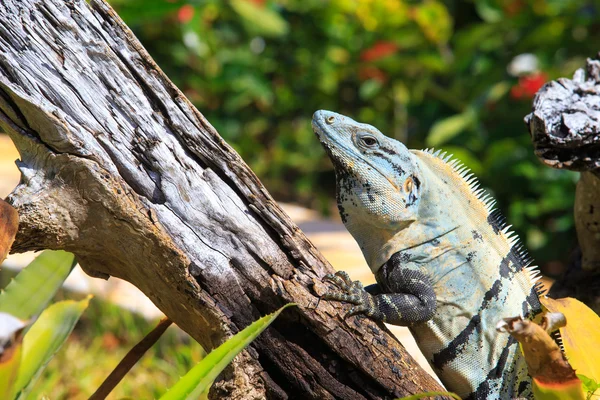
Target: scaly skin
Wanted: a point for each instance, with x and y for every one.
(446, 264)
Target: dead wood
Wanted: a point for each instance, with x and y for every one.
(119, 168)
(565, 130)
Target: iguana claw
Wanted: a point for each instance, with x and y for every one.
(350, 292)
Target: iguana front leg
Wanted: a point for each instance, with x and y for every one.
(402, 295)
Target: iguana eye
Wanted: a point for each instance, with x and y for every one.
(330, 120)
(368, 141)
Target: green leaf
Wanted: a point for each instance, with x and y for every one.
(434, 20)
(29, 293)
(44, 339)
(589, 385)
(431, 394)
(199, 378)
(489, 11)
(446, 129)
(147, 12)
(497, 91)
(569, 390)
(369, 89)
(259, 19)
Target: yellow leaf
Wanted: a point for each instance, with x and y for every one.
(581, 336)
(545, 361)
(553, 377)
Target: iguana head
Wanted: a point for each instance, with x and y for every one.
(378, 183)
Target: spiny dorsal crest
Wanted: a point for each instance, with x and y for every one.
(494, 216)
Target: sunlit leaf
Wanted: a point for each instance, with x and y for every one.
(553, 377)
(44, 339)
(497, 91)
(581, 336)
(446, 129)
(259, 19)
(434, 20)
(429, 395)
(199, 378)
(369, 89)
(31, 290)
(147, 12)
(571, 390)
(543, 356)
(589, 385)
(489, 10)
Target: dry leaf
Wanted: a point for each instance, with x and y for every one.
(9, 222)
(581, 336)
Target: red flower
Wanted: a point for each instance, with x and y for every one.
(532, 83)
(379, 50)
(185, 13)
(259, 3)
(528, 85)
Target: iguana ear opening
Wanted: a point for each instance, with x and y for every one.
(408, 185)
(411, 188)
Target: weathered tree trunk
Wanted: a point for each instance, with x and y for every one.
(565, 129)
(119, 168)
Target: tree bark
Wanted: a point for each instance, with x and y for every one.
(119, 168)
(565, 130)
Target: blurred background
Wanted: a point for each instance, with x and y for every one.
(456, 75)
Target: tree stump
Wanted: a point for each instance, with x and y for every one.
(119, 168)
(565, 130)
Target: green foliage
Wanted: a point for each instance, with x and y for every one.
(432, 72)
(101, 339)
(197, 382)
(445, 130)
(431, 394)
(590, 386)
(26, 296)
(33, 288)
(45, 337)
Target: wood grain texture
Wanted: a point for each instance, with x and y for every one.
(119, 168)
(565, 121)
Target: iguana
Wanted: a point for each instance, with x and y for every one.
(446, 263)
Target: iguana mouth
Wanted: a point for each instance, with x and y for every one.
(317, 127)
(328, 144)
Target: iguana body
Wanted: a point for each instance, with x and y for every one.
(446, 264)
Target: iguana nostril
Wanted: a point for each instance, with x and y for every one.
(330, 120)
